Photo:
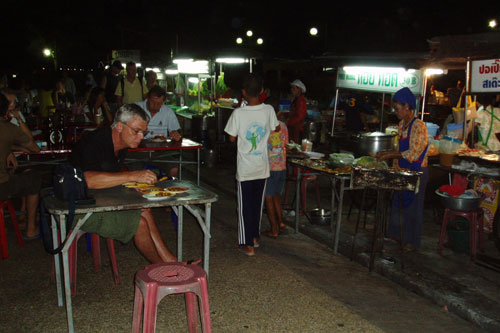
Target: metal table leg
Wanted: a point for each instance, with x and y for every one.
(297, 200)
(339, 216)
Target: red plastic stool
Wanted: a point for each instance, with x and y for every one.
(3, 236)
(306, 178)
(475, 219)
(96, 253)
(159, 280)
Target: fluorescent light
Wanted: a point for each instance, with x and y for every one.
(171, 71)
(231, 60)
(193, 67)
(433, 71)
(179, 61)
(193, 80)
(364, 69)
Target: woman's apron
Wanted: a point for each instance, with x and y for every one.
(407, 197)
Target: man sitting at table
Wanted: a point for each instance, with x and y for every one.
(163, 120)
(101, 155)
(18, 185)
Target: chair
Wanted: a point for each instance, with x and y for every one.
(96, 253)
(3, 236)
(159, 280)
(306, 178)
(475, 219)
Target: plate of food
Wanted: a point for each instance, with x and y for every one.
(149, 189)
(137, 185)
(159, 138)
(177, 189)
(158, 195)
(314, 155)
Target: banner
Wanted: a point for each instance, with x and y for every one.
(126, 55)
(380, 79)
(485, 76)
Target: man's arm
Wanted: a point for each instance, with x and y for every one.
(175, 135)
(100, 179)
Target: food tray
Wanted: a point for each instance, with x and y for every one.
(388, 179)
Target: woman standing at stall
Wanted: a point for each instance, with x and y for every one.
(298, 111)
(412, 155)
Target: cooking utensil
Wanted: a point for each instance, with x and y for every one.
(463, 204)
(371, 143)
(320, 216)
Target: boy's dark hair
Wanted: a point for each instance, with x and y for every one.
(253, 85)
(4, 105)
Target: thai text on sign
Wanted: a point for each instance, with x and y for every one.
(485, 76)
(379, 79)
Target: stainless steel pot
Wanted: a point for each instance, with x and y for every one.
(371, 143)
(320, 216)
(461, 204)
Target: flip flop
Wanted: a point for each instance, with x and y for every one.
(26, 238)
(269, 234)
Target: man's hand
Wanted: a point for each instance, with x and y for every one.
(12, 161)
(145, 176)
(176, 136)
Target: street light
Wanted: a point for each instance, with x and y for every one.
(492, 24)
(313, 31)
(260, 41)
(239, 40)
(249, 33)
(47, 52)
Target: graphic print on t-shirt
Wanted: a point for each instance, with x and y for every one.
(255, 133)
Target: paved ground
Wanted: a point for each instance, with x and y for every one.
(294, 284)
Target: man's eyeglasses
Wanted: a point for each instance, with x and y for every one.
(137, 131)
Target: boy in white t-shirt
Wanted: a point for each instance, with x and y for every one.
(250, 126)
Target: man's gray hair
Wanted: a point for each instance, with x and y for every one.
(127, 112)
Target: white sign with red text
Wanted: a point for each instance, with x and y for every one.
(485, 76)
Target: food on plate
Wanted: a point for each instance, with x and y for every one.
(150, 189)
(177, 189)
(159, 138)
(163, 194)
(136, 185)
(370, 162)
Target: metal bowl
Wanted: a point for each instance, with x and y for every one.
(461, 204)
(320, 216)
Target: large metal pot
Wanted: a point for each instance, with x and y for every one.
(461, 204)
(371, 143)
(320, 216)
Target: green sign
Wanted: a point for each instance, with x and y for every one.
(379, 79)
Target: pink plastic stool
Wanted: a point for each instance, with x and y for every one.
(96, 253)
(159, 280)
(3, 237)
(475, 219)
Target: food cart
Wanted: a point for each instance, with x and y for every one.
(385, 80)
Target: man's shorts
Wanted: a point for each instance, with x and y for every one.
(20, 185)
(275, 182)
(120, 225)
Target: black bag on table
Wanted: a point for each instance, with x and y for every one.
(68, 185)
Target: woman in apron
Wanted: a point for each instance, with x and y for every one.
(412, 155)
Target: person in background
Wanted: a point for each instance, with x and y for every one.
(250, 126)
(109, 83)
(277, 160)
(298, 111)
(69, 84)
(15, 184)
(60, 97)
(151, 78)
(355, 114)
(163, 121)
(131, 88)
(96, 109)
(412, 155)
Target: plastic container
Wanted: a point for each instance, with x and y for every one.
(455, 130)
(458, 234)
(432, 129)
(446, 159)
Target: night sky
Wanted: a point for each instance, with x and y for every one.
(84, 33)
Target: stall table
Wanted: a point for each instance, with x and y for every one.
(122, 198)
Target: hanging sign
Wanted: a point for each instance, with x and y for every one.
(485, 76)
(380, 79)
